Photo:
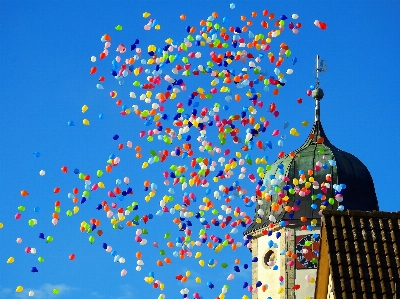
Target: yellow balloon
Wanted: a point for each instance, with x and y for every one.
(197, 255)
(84, 108)
(201, 263)
(245, 297)
(86, 122)
(76, 209)
(101, 185)
(198, 279)
(304, 123)
(161, 286)
(187, 273)
(280, 291)
(146, 14)
(238, 154)
(312, 280)
(1, 225)
(10, 260)
(221, 296)
(19, 289)
(145, 164)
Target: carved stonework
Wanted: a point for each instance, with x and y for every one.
(254, 270)
(289, 271)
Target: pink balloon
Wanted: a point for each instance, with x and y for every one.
(123, 272)
(275, 133)
(126, 180)
(19, 240)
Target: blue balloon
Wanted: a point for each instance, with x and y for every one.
(71, 123)
(41, 235)
(36, 154)
(101, 116)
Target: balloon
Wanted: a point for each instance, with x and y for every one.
(320, 25)
(10, 260)
(86, 122)
(19, 289)
(56, 291)
(42, 173)
(123, 272)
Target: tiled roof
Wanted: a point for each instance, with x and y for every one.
(363, 250)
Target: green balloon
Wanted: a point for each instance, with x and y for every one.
(224, 265)
(307, 243)
(167, 235)
(91, 239)
(99, 173)
(31, 222)
(40, 259)
(49, 239)
(56, 291)
(69, 213)
(162, 252)
(57, 209)
(145, 231)
(119, 27)
(21, 208)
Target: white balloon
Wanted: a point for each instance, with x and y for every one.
(93, 59)
(42, 172)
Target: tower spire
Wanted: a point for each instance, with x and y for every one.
(318, 93)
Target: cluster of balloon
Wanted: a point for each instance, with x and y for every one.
(239, 134)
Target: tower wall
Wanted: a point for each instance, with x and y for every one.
(292, 275)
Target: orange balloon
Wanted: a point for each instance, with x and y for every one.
(167, 260)
(24, 193)
(146, 183)
(184, 279)
(138, 155)
(209, 245)
(99, 233)
(108, 168)
(234, 247)
(264, 288)
(170, 244)
(237, 261)
(182, 17)
(275, 92)
(160, 263)
(139, 255)
(214, 15)
(254, 14)
(75, 200)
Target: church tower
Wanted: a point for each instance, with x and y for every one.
(285, 233)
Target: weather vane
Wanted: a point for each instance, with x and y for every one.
(319, 67)
(318, 93)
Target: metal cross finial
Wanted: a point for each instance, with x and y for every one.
(319, 67)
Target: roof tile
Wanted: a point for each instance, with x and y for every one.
(363, 250)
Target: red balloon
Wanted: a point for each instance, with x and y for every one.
(72, 256)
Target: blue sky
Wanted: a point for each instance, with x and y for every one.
(45, 58)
